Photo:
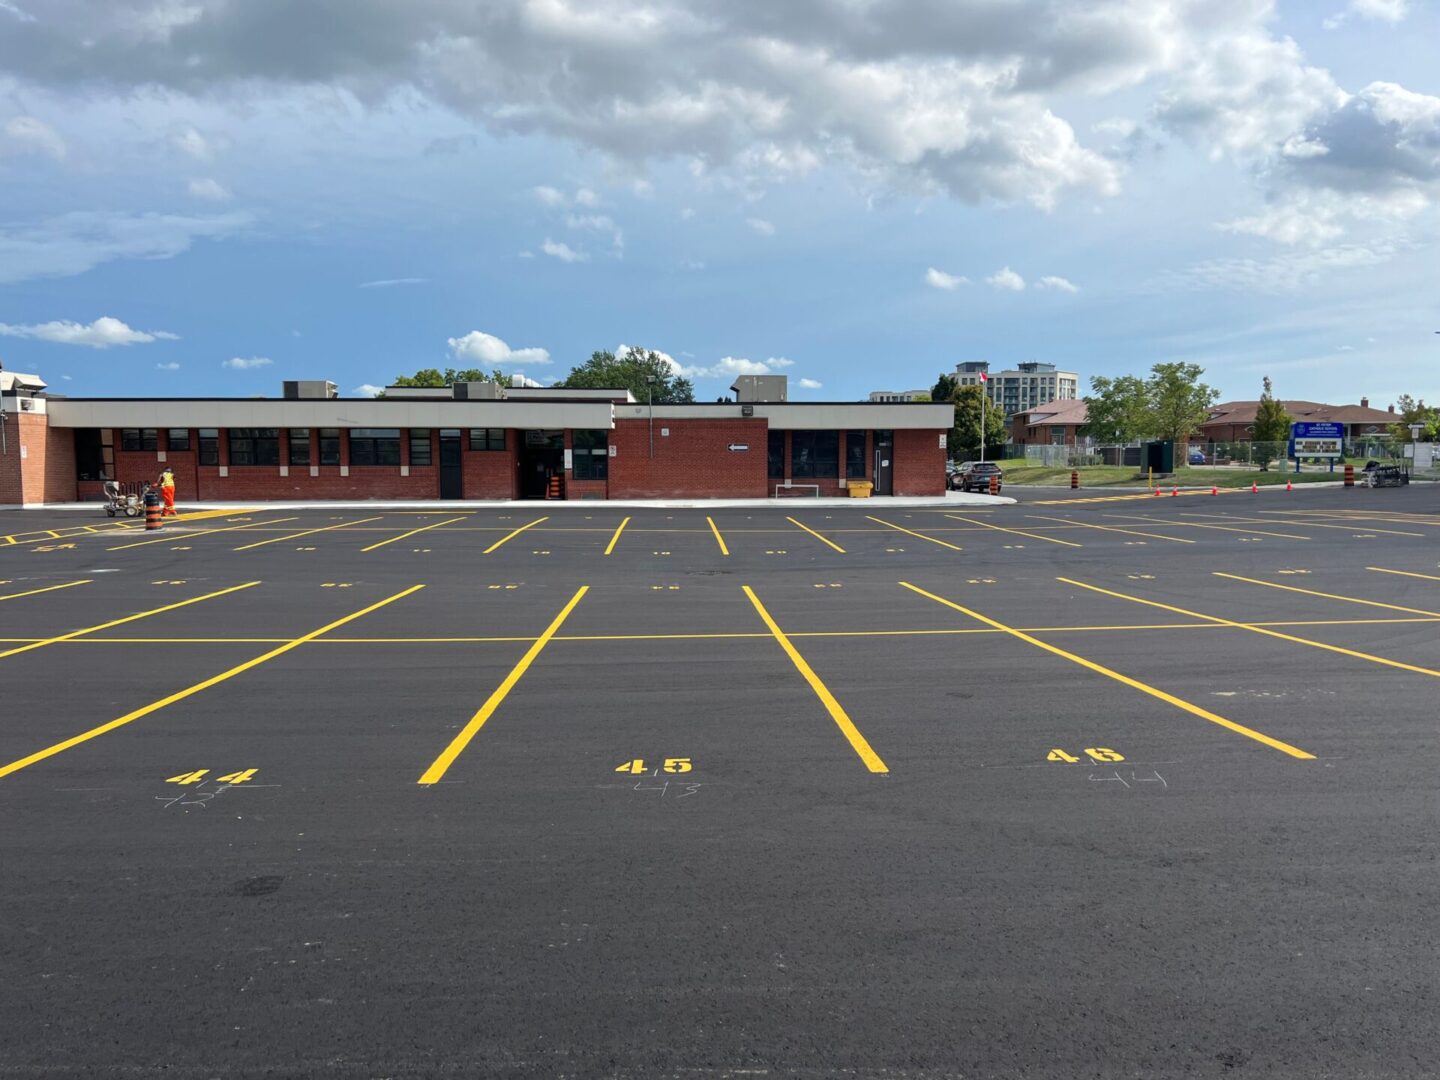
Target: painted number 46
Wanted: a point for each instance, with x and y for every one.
(1098, 753)
(636, 766)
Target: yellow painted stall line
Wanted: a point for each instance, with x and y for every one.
(1326, 595)
(190, 691)
(121, 622)
(610, 547)
(815, 534)
(436, 772)
(307, 532)
(1306, 524)
(512, 534)
(837, 712)
(1016, 532)
(47, 588)
(908, 532)
(201, 532)
(718, 538)
(1197, 525)
(1100, 669)
(1115, 529)
(412, 532)
(1256, 629)
(1376, 569)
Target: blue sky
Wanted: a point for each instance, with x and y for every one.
(208, 198)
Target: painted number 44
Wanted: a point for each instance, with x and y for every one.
(636, 766)
(198, 777)
(1096, 753)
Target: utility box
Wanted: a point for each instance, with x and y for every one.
(762, 388)
(310, 389)
(1160, 457)
(478, 391)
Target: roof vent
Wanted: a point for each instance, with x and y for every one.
(310, 389)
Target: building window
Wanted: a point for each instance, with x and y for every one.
(254, 446)
(855, 455)
(299, 446)
(815, 453)
(374, 446)
(177, 438)
(90, 455)
(487, 438)
(208, 443)
(419, 446)
(329, 446)
(591, 455)
(138, 439)
(775, 452)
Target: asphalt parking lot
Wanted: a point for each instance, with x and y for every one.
(1086, 786)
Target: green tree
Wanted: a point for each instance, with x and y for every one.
(965, 435)
(1118, 410)
(1410, 412)
(1272, 426)
(944, 388)
(632, 370)
(434, 377)
(1179, 401)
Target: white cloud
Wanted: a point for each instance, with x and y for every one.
(208, 190)
(83, 239)
(1006, 278)
(1285, 272)
(19, 13)
(808, 384)
(478, 347)
(368, 390)
(586, 197)
(240, 363)
(549, 196)
(191, 143)
(1391, 11)
(730, 366)
(172, 366)
(103, 333)
(939, 279)
(1059, 284)
(564, 252)
(554, 197)
(28, 133)
(390, 283)
(687, 213)
(600, 223)
(761, 226)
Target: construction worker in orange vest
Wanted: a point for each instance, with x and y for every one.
(167, 491)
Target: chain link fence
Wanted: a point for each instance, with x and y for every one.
(1422, 460)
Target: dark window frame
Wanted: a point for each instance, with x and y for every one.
(328, 444)
(254, 447)
(297, 446)
(815, 455)
(487, 439)
(855, 457)
(140, 439)
(775, 455)
(375, 447)
(420, 440)
(591, 450)
(171, 443)
(207, 446)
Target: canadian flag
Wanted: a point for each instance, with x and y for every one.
(984, 377)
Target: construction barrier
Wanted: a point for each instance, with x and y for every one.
(152, 511)
(1349, 475)
(994, 485)
(1074, 479)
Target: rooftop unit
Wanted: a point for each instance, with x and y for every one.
(310, 389)
(750, 388)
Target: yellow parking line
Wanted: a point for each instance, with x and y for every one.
(718, 538)
(412, 532)
(1017, 532)
(48, 588)
(815, 534)
(837, 713)
(307, 532)
(441, 764)
(616, 538)
(1114, 528)
(512, 534)
(202, 532)
(189, 691)
(922, 536)
(1377, 569)
(1197, 525)
(1306, 524)
(1326, 595)
(1144, 688)
(1256, 629)
(127, 619)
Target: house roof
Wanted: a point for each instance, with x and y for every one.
(1243, 412)
(1067, 411)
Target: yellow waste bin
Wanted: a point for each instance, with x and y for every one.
(860, 489)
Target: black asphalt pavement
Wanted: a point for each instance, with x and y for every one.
(1093, 785)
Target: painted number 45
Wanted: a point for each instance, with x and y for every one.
(672, 765)
(1098, 753)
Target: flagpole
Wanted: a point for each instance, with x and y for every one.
(984, 393)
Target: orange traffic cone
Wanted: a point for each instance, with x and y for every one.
(1214, 489)
(1174, 491)
(1287, 485)
(1254, 489)
(1157, 491)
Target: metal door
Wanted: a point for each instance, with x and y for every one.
(884, 463)
(451, 484)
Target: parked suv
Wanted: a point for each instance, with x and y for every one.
(975, 476)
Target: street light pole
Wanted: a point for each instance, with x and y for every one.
(650, 400)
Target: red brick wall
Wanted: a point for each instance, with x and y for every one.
(11, 492)
(489, 474)
(693, 461)
(60, 483)
(919, 463)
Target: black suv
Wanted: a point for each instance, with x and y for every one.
(975, 476)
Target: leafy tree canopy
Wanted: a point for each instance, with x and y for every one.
(1118, 409)
(1410, 412)
(1179, 401)
(1272, 426)
(965, 435)
(632, 370)
(450, 376)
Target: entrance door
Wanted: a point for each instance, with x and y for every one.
(884, 463)
(451, 484)
(542, 455)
